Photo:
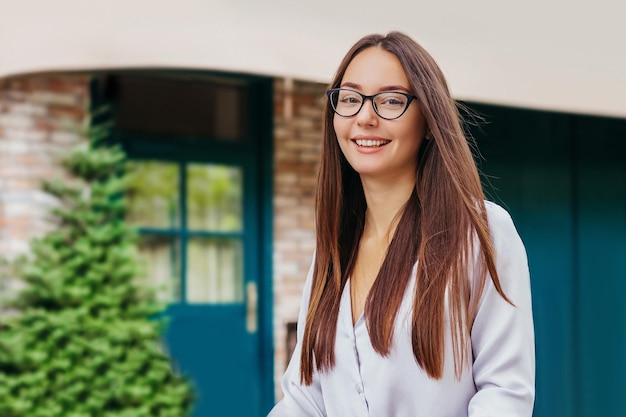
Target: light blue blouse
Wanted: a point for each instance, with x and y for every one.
(363, 383)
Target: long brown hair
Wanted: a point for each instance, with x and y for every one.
(439, 228)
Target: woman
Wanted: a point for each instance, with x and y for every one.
(418, 300)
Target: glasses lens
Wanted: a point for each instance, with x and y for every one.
(390, 105)
(346, 102)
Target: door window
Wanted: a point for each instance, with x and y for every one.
(209, 230)
(214, 217)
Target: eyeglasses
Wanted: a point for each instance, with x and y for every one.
(388, 105)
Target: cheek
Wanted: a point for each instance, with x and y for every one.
(340, 127)
(341, 133)
(415, 129)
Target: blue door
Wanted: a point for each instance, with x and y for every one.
(200, 164)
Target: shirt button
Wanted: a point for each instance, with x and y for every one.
(359, 389)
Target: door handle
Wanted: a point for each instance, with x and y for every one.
(252, 301)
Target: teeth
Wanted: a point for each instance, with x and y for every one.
(371, 143)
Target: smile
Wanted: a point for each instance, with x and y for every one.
(371, 143)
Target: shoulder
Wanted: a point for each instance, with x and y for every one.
(497, 216)
(500, 222)
(504, 235)
(507, 242)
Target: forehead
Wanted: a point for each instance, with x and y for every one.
(375, 68)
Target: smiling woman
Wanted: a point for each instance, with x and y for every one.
(417, 302)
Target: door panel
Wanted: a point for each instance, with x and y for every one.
(601, 260)
(206, 242)
(203, 260)
(211, 345)
(527, 158)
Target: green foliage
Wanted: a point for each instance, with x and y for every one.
(84, 341)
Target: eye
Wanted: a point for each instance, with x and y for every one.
(394, 101)
(349, 98)
(391, 100)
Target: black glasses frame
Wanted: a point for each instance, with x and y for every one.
(409, 97)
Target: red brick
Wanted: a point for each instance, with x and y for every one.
(35, 109)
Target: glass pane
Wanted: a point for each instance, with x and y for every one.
(181, 106)
(152, 200)
(214, 198)
(161, 260)
(214, 271)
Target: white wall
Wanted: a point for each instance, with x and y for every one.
(562, 55)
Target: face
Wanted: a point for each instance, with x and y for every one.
(374, 146)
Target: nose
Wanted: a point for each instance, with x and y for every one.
(367, 115)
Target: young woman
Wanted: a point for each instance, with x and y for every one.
(418, 301)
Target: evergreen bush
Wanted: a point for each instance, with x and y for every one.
(84, 341)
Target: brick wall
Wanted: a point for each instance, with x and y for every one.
(297, 143)
(41, 117)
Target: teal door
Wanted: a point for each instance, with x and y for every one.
(200, 152)
(563, 179)
(201, 249)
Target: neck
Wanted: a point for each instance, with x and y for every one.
(384, 200)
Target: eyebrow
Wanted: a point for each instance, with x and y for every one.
(385, 88)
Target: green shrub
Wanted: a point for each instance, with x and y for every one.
(84, 341)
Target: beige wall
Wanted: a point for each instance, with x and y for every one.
(562, 55)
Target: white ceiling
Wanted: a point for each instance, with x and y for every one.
(563, 55)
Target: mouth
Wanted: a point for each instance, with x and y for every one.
(371, 143)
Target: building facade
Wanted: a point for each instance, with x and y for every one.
(43, 117)
(562, 177)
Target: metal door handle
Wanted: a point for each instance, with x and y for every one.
(251, 306)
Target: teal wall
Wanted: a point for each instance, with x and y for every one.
(563, 179)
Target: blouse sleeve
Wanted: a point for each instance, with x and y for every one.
(300, 400)
(502, 334)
